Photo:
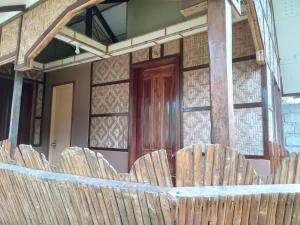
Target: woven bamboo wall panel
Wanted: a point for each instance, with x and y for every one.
(249, 131)
(246, 82)
(109, 132)
(196, 128)
(111, 69)
(9, 37)
(37, 132)
(242, 42)
(37, 20)
(172, 47)
(140, 55)
(196, 88)
(110, 99)
(39, 100)
(156, 51)
(195, 50)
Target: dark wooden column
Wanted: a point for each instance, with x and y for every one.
(15, 109)
(220, 51)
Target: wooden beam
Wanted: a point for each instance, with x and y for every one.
(190, 7)
(33, 41)
(75, 38)
(89, 22)
(105, 25)
(196, 8)
(15, 109)
(12, 8)
(220, 51)
(255, 31)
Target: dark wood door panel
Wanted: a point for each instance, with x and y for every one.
(157, 109)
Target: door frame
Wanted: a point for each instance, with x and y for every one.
(50, 111)
(135, 69)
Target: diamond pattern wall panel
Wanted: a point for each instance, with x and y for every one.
(156, 51)
(196, 128)
(140, 55)
(196, 88)
(246, 82)
(172, 47)
(109, 132)
(110, 98)
(249, 131)
(39, 100)
(242, 40)
(195, 50)
(111, 69)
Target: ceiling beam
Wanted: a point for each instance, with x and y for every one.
(89, 23)
(12, 8)
(105, 25)
(74, 38)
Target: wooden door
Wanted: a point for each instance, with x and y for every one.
(61, 120)
(157, 109)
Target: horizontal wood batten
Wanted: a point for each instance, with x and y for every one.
(110, 149)
(235, 60)
(173, 193)
(297, 94)
(244, 58)
(255, 156)
(110, 114)
(111, 83)
(195, 109)
(248, 105)
(203, 66)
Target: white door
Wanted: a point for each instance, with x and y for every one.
(61, 120)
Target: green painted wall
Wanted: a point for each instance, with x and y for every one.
(148, 15)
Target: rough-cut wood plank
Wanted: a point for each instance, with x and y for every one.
(256, 34)
(209, 161)
(197, 166)
(296, 211)
(220, 52)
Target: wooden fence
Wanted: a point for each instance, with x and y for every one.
(277, 153)
(85, 189)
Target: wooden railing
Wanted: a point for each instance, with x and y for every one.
(277, 153)
(85, 189)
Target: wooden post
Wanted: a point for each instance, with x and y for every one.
(220, 51)
(15, 109)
